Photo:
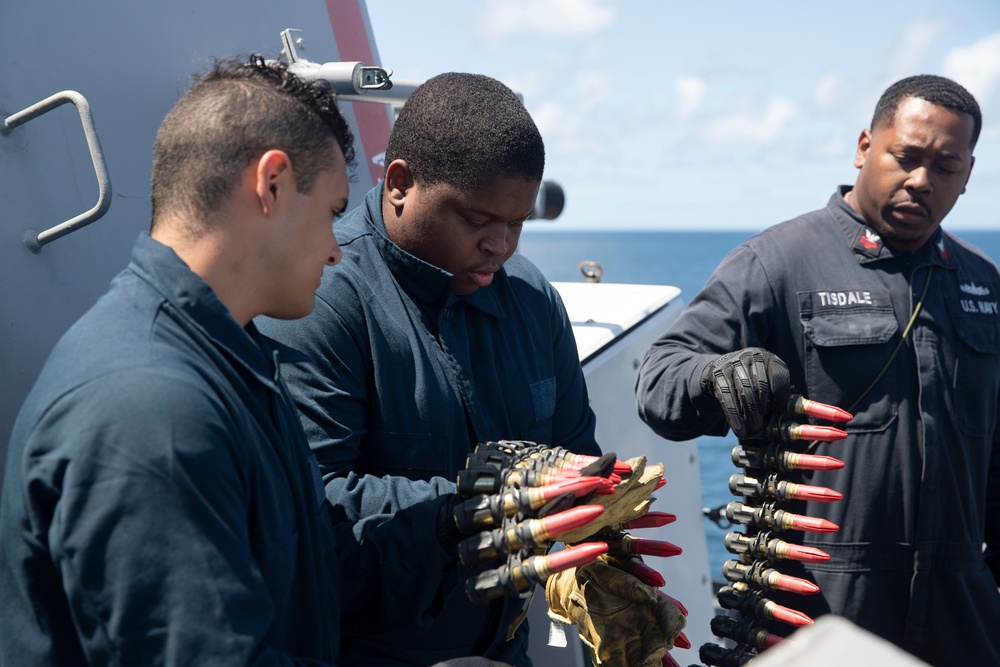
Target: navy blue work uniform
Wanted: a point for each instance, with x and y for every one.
(407, 377)
(920, 483)
(161, 505)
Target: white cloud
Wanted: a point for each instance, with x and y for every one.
(593, 87)
(917, 37)
(977, 67)
(503, 19)
(529, 83)
(832, 148)
(831, 91)
(564, 130)
(743, 128)
(691, 92)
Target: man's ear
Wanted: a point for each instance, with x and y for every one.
(273, 177)
(864, 145)
(398, 181)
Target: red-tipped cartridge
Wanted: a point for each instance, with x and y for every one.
(785, 430)
(771, 487)
(767, 578)
(641, 571)
(774, 457)
(624, 544)
(574, 556)
(800, 405)
(678, 603)
(567, 520)
(767, 516)
(763, 545)
(651, 520)
(740, 597)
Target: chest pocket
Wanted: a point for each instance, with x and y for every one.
(849, 336)
(977, 364)
(543, 404)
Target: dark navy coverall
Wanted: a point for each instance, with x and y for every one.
(921, 478)
(407, 376)
(161, 505)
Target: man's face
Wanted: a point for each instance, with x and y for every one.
(467, 233)
(306, 243)
(912, 172)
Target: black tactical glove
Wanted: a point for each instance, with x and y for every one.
(749, 384)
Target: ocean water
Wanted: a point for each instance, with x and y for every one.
(684, 259)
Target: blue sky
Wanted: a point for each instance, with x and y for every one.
(706, 115)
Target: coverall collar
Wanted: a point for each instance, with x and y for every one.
(160, 267)
(425, 282)
(869, 246)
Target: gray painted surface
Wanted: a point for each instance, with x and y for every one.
(130, 60)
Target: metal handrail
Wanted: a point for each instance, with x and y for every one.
(34, 241)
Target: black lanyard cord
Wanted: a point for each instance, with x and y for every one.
(902, 339)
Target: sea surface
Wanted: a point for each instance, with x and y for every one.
(684, 259)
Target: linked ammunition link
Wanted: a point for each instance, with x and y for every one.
(516, 578)
(778, 457)
(743, 632)
(712, 654)
(749, 602)
(763, 457)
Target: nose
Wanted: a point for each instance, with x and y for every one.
(336, 254)
(919, 179)
(495, 240)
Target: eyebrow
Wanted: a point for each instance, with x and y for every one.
(491, 216)
(946, 154)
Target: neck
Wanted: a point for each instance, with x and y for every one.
(218, 260)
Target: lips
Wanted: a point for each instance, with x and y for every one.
(482, 278)
(910, 212)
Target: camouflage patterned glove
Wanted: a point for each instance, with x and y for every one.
(630, 500)
(625, 622)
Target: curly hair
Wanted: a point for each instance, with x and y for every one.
(240, 109)
(935, 89)
(466, 130)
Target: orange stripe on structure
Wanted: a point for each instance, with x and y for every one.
(350, 30)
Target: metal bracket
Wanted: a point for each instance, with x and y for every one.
(35, 241)
(346, 78)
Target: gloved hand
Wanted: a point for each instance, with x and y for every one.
(750, 384)
(630, 500)
(625, 622)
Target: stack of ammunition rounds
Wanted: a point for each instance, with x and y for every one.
(520, 495)
(523, 496)
(765, 460)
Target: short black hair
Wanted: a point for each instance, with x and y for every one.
(935, 89)
(466, 130)
(234, 112)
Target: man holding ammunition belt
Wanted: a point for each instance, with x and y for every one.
(869, 305)
(433, 336)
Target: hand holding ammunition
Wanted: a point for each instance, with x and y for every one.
(749, 384)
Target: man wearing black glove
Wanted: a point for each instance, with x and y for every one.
(874, 308)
